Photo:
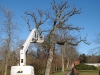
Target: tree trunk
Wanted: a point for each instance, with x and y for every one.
(5, 69)
(6, 64)
(7, 55)
(62, 59)
(68, 63)
(49, 62)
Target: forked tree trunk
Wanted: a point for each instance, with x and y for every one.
(49, 62)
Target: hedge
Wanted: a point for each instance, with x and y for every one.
(85, 67)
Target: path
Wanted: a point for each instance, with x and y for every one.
(70, 72)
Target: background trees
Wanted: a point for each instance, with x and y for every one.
(9, 29)
(97, 43)
(82, 58)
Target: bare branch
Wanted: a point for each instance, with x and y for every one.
(97, 40)
(68, 42)
(71, 13)
(49, 15)
(54, 6)
(70, 27)
(27, 21)
(63, 7)
(37, 22)
(41, 14)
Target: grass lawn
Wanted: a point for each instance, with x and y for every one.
(88, 72)
(59, 73)
(81, 72)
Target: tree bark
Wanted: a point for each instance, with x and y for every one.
(49, 62)
(67, 62)
(62, 58)
(5, 73)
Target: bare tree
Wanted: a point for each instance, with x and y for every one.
(8, 29)
(96, 50)
(58, 18)
(97, 40)
(62, 34)
(71, 54)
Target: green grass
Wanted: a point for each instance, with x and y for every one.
(81, 72)
(88, 72)
(59, 73)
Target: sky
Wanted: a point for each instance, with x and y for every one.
(89, 19)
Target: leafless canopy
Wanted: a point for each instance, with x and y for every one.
(59, 19)
(59, 16)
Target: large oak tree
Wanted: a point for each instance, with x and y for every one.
(56, 18)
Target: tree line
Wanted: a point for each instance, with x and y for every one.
(89, 58)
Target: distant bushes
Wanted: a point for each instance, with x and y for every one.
(85, 67)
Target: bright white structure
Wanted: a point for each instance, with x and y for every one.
(94, 64)
(23, 69)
